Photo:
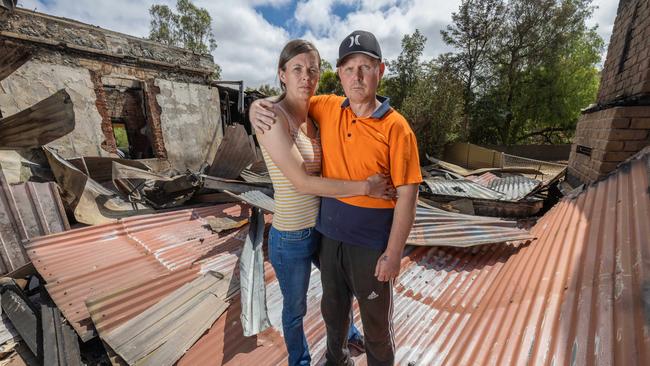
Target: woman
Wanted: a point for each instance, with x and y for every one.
(292, 153)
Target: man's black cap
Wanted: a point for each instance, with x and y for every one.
(359, 42)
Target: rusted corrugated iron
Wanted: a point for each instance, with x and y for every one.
(99, 259)
(577, 295)
(483, 179)
(27, 210)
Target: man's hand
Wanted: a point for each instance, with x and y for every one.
(261, 115)
(387, 267)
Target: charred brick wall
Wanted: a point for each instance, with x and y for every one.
(626, 71)
(153, 118)
(109, 143)
(619, 126)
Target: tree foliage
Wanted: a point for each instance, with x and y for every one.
(189, 27)
(532, 68)
(329, 82)
(403, 73)
(434, 105)
(520, 72)
(269, 90)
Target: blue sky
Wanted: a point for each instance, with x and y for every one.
(251, 33)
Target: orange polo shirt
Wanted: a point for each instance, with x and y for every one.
(355, 148)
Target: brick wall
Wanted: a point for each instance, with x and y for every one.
(127, 106)
(112, 104)
(607, 137)
(626, 71)
(153, 118)
(612, 135)
(109, 143)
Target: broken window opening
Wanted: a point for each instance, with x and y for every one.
(121, 138)
(127, 111)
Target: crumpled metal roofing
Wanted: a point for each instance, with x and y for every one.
(95, 260)
(483, 179)
(576, 295)
(514, 187)
(462, 188)
(257, 199)
(434, 226)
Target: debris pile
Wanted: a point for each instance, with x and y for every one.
(161, 260)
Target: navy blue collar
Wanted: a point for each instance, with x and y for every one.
(379, 112)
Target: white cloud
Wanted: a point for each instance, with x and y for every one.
(248, 45)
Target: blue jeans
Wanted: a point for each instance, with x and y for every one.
(292, 254)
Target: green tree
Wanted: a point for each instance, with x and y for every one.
(189, 27)
(269, 90)
(329, 82)
(434, 107)
(535, 32)
(405, 71)
(472, 32)
(528, 67)
(163, 27)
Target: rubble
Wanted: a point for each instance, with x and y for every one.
(91, 202)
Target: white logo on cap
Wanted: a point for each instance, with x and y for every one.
(354, 40)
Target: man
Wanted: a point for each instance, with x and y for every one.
(363, 237)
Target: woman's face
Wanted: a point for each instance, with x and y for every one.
(300, 76)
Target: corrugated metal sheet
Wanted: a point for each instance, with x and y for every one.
(462, 188)
(96, 260)
(27, 210)
(44, 122)
(257, 199)
(577, 295)
(253, 177)
(483, 179)
(433, 226)
(514, 187)
(12, 56)
(235, 153)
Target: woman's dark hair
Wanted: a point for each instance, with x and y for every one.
(294, 48)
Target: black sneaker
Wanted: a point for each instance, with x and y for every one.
(356, 346)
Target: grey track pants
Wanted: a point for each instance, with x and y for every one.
(349, 270)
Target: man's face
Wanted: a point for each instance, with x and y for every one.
(360, 75)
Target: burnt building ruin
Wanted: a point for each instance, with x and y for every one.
(132, 97)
